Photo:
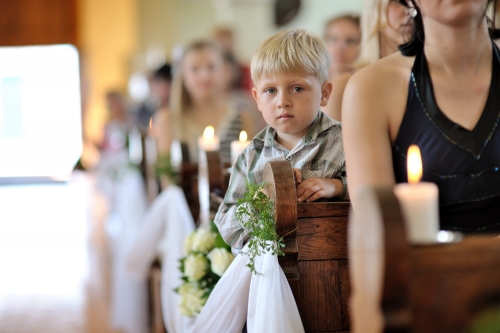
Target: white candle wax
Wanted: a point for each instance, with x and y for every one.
(209, 141)
(209, 144)
(419, 204)
(237, 147)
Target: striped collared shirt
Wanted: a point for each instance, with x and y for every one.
(319, 154)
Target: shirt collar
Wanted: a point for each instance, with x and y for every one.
(266, 137)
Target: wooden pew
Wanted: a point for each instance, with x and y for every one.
(197, 182)
(315, 261)
(399, 287)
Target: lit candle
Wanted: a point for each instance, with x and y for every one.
(419, 202)
(209, 141)
(237, 147)
(150, 145)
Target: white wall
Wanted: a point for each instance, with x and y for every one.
(165, 23)
(314, 13)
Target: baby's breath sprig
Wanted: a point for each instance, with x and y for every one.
(256, 213)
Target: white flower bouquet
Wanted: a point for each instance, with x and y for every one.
(207, 258)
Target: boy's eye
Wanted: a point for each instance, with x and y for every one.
(298, 89)
(270, 90)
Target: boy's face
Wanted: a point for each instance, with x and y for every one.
(290, 102)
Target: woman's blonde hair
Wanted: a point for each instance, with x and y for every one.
(373, 20)
(292, 51)
(180, 100)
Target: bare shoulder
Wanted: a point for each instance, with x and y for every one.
(334, 106)
(389, 72)
(378, 93)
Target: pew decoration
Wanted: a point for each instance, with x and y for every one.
(255, 211)
(163, 167)
(207, 258)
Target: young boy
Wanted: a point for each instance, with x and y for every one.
(290, 75)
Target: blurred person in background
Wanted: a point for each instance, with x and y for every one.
(238, 82)
(199, 99)
(383, 29)
(342, 36)
(160, 82)
(118, 125)
(125, 198)
(224, 38)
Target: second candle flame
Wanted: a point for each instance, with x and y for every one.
(414, 164)
(243, 136)
(209, 132)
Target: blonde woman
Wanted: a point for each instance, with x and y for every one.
(198, 100)
(383, 27)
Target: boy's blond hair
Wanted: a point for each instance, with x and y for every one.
(292, 51)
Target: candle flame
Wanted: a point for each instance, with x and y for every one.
(209, 132)
(243, 136)
(414, 164)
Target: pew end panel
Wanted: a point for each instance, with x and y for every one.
(315, 261)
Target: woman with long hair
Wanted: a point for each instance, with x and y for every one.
(198, 100)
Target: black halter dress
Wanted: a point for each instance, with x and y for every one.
(464, 164)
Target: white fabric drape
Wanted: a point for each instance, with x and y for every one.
(128, 296)
(264, 301)
(169, 219)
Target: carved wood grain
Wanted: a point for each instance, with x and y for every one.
(319, 290)
(323, 209)
(281, 190)
(345, 292)
(322, 238)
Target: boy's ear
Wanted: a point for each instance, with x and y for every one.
(326, 90)
(256, 97)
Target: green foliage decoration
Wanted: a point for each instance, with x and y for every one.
(256, 212)
(163, 167)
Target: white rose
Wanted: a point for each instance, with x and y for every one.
(195, 266)
(191, 299)
(220, 260)
(203, 240)
(188, 243)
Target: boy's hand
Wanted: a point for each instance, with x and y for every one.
(297, 174)
(314, 188)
